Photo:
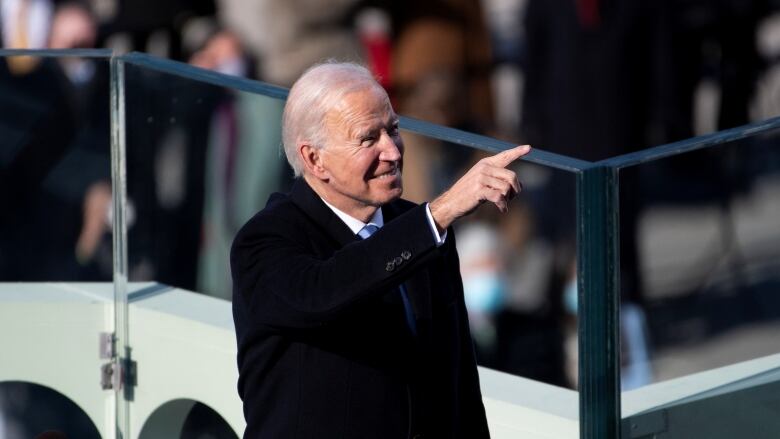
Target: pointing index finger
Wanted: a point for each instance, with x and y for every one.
(504, 158)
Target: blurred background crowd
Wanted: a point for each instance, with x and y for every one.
(590, 79)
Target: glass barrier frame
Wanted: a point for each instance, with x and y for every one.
(114, 376)
(598, 268)
(592, 391)
(597, 232)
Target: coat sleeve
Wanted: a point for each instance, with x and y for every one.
(284, 284)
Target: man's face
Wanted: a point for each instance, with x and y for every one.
(363, 156)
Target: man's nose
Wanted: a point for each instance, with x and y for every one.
(391, 151)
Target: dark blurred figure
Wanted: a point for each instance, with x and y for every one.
(54, 166)
(168, 130)
(596, 73)
(714, 55)
(154, 26)
(597, 79)
(715, 40)
(715, 44)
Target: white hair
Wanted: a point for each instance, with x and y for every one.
(320, 89)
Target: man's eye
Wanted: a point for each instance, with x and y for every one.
(367, 140)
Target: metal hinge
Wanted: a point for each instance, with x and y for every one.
(119, 373)
(107, 348)
(109, 372)
(110, 376)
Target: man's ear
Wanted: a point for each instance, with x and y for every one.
(311, 156)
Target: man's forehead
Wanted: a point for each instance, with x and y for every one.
(360, 106)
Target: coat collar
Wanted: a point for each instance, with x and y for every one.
(307, 200)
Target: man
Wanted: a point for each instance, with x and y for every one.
(343, 333)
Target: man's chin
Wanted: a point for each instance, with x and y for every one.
(392, 195)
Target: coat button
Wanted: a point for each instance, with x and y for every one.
(398, 260)
(406, 254)
(390, 266)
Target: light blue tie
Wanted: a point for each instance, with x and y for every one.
(364, 233)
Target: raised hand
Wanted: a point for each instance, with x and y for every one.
(488, 180)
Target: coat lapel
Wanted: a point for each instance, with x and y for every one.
(307, 200)
(418, 286)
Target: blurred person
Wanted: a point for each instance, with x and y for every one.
(169, 129)
(440, 67)
(598, 84)
(56, 136)
(222, 53)
(37, 124)
(715, 41)
(348, 303)
(375, 32)
(505, 22)
(152, 26)
(73, 27)
(716, 67)
(482, 267)
(516, 327)
(448, 41)
(288, 36)
(25, 24)
(243, 166)
(597, 75)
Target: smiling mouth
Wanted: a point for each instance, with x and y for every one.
(394, 171)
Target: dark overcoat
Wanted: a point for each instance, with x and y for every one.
(324, 350)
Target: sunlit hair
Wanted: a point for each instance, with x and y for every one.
(320, 89)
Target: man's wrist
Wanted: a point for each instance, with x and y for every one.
(438, 235)
(440, 213)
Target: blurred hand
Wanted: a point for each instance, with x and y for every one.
(488, 180)
(222, 53)
(97, 201)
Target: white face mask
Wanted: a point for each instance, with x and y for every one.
(79, 71)
(570, 296)
(484, 292)
(232, 66)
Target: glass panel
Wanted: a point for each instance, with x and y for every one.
(201, 160)
(203, 154)
(699, 280)
(55, 245)
(518, 269)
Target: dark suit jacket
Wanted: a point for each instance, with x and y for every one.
(323, 347)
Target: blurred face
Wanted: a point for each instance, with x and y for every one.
(72, 27)
(363, 156)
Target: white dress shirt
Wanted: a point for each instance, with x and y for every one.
(378, 220)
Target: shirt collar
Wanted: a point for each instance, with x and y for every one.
(355, 224)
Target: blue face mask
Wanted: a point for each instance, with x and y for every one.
(570, 296)
(484, 292)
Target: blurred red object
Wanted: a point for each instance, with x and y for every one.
(373, 26)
